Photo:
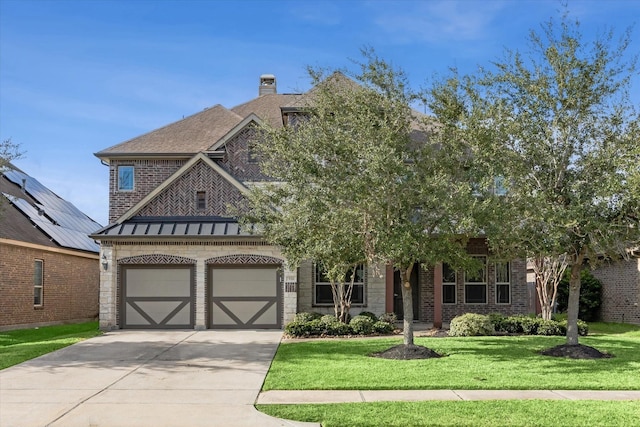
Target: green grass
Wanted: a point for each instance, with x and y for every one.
(470, 363)
(513, 413)
(24, 344)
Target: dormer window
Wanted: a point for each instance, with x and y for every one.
(201, 200)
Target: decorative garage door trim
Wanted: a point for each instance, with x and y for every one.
(244, 259)
(156, 259)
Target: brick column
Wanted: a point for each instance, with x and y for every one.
(389, 289)
(290, 284)
(108, 288)
(200, 321)
(437, 295)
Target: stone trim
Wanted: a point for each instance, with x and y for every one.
(244, 259)
(156, 259)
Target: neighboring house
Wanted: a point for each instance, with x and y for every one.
(49, 267)
(620, 290)
(177, 259)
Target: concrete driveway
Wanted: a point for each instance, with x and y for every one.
(144, 378)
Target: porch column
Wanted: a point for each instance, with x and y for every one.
(200, 320)
(437, 295)
(108, 287)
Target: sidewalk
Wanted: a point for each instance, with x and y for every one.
(354, 396)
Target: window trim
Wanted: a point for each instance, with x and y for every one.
(133, 178)
(496, 283)
(38, 284)
(454, 284)
(201, 200)
(314, 283)
(484, 283)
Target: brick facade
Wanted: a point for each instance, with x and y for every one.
(148, 175)
(620, 291)
(236, 158)
(70, 286)
(179, 198)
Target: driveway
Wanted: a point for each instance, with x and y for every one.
(144, 378)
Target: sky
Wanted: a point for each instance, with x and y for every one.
(79, 76)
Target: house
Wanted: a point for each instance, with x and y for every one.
(49, 266)
(620, 290)
(176, 258)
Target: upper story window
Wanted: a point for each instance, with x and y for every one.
(448, 284)
(201, 200)
(475, 283)
(125, 178)
(322, 294)
(38, 282)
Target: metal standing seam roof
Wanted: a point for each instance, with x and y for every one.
(157, 227)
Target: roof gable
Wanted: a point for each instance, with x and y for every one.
(200, 157)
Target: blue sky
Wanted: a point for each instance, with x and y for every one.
(79, 76)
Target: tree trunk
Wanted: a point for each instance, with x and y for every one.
(574, 301)
(407, 305)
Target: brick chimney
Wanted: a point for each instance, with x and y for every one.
(267, 84)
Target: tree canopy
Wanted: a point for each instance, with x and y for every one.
(558, 128)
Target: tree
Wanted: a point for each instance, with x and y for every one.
(548, 272)
(559, 127)
(358, 180)
(8, 152)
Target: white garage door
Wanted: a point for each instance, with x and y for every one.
(157, 297)
(245, 297)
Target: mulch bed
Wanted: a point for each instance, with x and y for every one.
(577, 351)
(407, 352)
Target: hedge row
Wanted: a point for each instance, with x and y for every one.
(472, 324)
(315, 324)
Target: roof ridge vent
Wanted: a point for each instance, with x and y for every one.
(267, 85)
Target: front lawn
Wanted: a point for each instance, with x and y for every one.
(23, 344)
(496, 362)
(513, 413)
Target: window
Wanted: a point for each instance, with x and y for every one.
(322, 294)
(448, 284)
(125, 178)
(38, 282)
(503, 283)
(499, 187)
(201, 200)
(475, 283)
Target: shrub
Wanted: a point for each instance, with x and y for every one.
(471, 324)
(381, 327)
(498, 320)
(530, 324)
(583, 327)
(549, 327)
(362, 325)
(338, 328)
(329, 319)
(389, 318)
(590, 295)
(370, 315)
(306, 317)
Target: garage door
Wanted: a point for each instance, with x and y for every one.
(245, 297)
(157, 297)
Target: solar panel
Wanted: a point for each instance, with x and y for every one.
(60, 220)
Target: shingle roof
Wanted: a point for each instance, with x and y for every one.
(188, 136)
(267, 107)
